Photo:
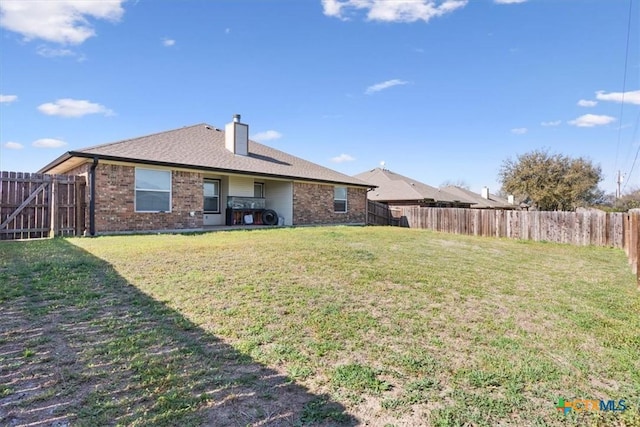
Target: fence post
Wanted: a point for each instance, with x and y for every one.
(633, 237)
(634, 243)
(53, 205)
(637, 249)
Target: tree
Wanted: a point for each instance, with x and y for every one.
(630, 200)
(458, 183)
(551, 181)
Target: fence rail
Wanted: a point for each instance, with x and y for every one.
(38, 205)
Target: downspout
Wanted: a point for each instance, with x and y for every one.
(92, 197)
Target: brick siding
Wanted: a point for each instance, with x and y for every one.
(313, 204)
(115, 206)
(115, 201)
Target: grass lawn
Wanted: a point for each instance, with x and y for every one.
(315, 326)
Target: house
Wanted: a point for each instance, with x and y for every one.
(397, 190)
(198, 176)
(485, 200)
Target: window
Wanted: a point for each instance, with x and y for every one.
(211, 196)
(340, 199)
(153, 190)
(258, 189)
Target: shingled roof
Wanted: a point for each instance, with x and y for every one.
(396, 187)
(202, 147)
(493, 202)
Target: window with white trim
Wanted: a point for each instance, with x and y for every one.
(211, 196)
(153, 190)
(258, 189)
(340, 199)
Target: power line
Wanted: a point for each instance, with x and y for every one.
(633, 138)
(624, 82)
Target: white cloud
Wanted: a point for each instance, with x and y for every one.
(384, 85)
(519, 131)
(342, 158)
(58, 21)
(552, 123)
(267, 135)
(73, 108)
(7, 99)
(631, 97)
(49, 143)
(509, 1)
(227, 30)
(586, 103)
(591, 120)
(392, 11)
(49, 52)
(13, 145)
(332, 8)
(168, 42)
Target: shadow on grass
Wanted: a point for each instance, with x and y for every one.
(79, 345)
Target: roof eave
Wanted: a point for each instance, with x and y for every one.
(61, 159)
(86, 155)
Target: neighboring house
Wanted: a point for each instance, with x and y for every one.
(198, 176)
(485, 200)
(397, 190)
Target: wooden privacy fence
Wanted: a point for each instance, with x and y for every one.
(632, 240)
(579, 228)
(589, 227)
(380, 214)
(38, 205)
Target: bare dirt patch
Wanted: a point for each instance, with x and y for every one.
(80, 346)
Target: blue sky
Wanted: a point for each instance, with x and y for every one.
(438, 90)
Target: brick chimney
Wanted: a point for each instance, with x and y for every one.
(237, 136)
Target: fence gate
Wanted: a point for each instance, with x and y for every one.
(38, 205)
(381, 214)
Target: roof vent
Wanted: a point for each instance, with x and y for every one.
(236, 136)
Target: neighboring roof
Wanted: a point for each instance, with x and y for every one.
(202, 147)
(493, 202)
(396, 187)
